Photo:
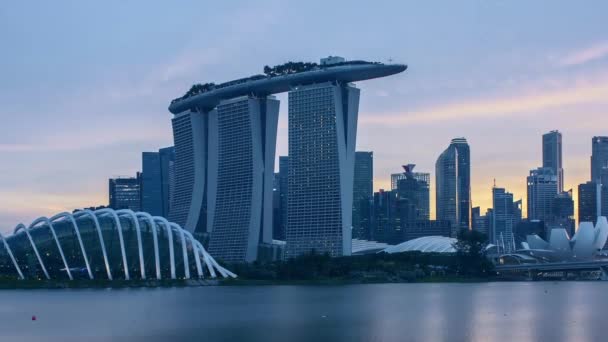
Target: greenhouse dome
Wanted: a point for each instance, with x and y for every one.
(105, 244)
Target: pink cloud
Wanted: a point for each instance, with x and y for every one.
(591, 53)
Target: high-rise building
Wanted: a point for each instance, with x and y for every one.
(283, 184)
(482, 223)
(453, 185)
(276, 206)
(599, 160)
(224, 167)
(420, 176)
(529, 227)
(363, 194)
(591, 197)
(225, 142)
(156, 181)
(241, 176)
(506, 213)
(385, 216)
(322, 132)
(552, 156)
(394, 219)
(415, 190)
(562, 215)
(124, 193)
(188, 205)
(542, 190)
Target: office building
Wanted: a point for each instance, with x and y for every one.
(363, 194)
(542, 189)
(506, 214)
(529, 227)
(563, 213)
(283, 184)
(479, 222)
(453, 185)
(156, 181)
(592, 201)
(420, 176)
(124, 193)
(552, 156)
(599, 160)
(416, 191)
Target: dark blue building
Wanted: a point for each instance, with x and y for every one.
(156, 181)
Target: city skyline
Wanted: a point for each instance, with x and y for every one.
(502, 103)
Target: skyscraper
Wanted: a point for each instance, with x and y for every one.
(124, 193)
(479, 222)
(322, 132)
(188, 206)
(552, 156)
(225, 142)
(155, 185)
(363, 194)
(453, 185)
(506, 214)
(542, 189)
(599, 160)
(588, 196)
(424, 180)
(421, 176)
(283, 184)
(415, 190)
(562, 215)
(241, 174)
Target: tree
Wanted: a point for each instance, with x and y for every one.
(470, 249)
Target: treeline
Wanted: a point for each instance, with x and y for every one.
(288, 68)
(467, 263)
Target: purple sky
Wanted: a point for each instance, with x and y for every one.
(84, 87)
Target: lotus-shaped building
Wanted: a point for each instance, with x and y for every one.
(105, 244)
(585, 245)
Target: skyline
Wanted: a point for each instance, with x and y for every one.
(61, 150)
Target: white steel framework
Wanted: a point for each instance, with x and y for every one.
(135, 220)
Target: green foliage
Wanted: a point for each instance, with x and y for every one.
(289, 68)
(470, 253)
(195, 90)
(398, 267)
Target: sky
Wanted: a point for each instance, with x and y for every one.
(85, 86)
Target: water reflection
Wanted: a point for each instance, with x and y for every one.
(540, 311)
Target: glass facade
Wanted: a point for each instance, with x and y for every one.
(242, 186)
(156, 181)
(105, 244)
(363, 194)
(453, 185)
(125, 193)
(184, 167)
(322, 131)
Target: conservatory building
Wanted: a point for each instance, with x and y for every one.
(105, 244)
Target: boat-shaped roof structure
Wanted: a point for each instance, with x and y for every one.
(272, 83)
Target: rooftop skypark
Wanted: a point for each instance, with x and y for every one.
(280, 77)
(269, 72)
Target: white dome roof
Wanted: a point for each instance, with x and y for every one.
(437, 244)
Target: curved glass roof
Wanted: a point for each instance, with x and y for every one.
(430, 244)
(105, 244)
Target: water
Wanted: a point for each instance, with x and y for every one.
(539, 311)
